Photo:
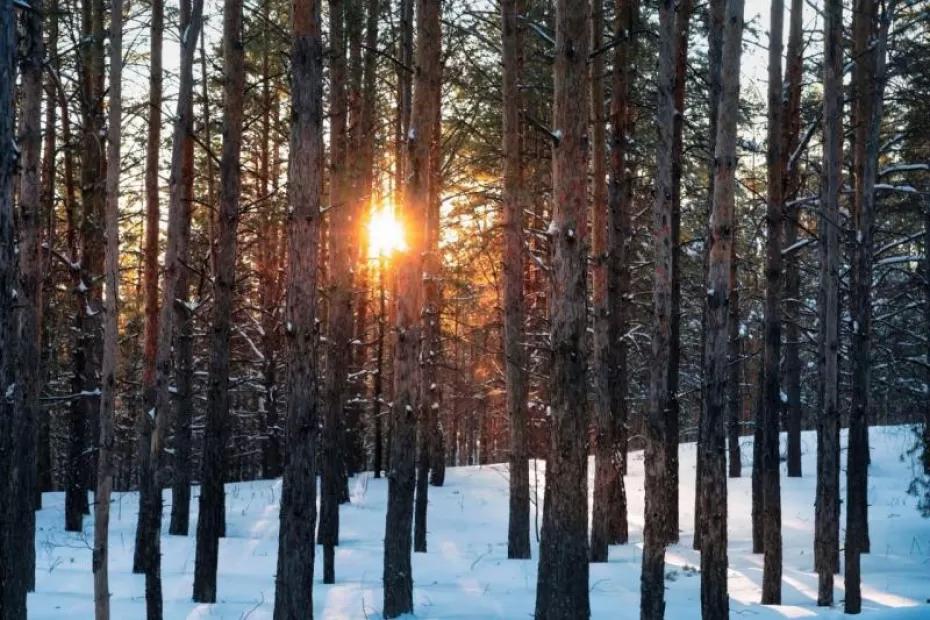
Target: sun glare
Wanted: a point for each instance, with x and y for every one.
(385, 233)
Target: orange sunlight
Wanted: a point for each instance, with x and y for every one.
(385, 233)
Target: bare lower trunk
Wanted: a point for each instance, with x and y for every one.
(655, 532)
(294, 577)
(211, 523)
(518, 528)
(156, 420)
(398, 579)
(562, 585)
(771, 385)
(12, 588)
(673, 419)
(30, 285)
(111, 322)
(712, 450)
(827, 505)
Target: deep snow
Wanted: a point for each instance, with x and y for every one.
(466, 573)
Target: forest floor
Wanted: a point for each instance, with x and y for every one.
(466, 574)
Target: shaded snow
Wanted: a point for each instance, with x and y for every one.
(466, 573)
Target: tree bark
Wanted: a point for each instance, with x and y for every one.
(771, 399)
(30, 284)
(294, 577)
(339, 293)
(211, 524)
(12, 588)
(111, 321)
(655, 531)
(712, 450)
(429, 425)
(673, 421)
(156, 420)
(398, 580)
(827, 505)
(870, 37)
(791, 128)
(518, 527)
(562, 585)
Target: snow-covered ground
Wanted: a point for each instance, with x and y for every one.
(466, 573)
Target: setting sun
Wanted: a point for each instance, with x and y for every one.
(385, 233)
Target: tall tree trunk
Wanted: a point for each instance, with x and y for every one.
(429, 435)
(602, 343)
(870, 38)
(715, 16)
(827, 506)
(771, 399)
(157, 419)
(12, 589)
(44, 448)
(111, 321)
(152, 220)
(652, 602)
(518, 525)
(712, 450)
(398, 580)
(339, 298)
(619, 244)
(211, 523)
(792, 126)
(562, 585)
(30, 284)
(294, 577)
(87, 303)
(673, 421)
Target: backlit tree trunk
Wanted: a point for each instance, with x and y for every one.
(211, 523)
(398, 580)
(294, 577)
(157, 419)
(518, 528)
(562, 584)
(12, 589)
(30, 284)
(339, 297)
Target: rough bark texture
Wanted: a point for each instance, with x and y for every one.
(339, 294)
(12, 588)
(152, 211)
(712, 450)
(29, 290)
(771, 398)
(870, 36)
(652, 586)
(398, 579)
(619, 235)
(827, 504)
(157, 419)
(673, 421)
(518, 528)
(791, 129)
(294, 578)
(87, 323)
(562, 585)
(429, 434)
(212, 507)
(716, 10)
(111, 322)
